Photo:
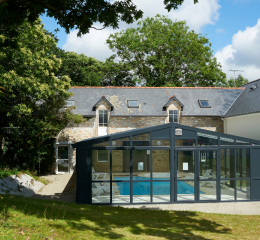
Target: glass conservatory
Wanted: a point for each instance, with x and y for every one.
(170, 163)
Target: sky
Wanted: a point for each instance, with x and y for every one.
(232, 26)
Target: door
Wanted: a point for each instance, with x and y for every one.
(207, 175)
(62, 160)
(196, 175)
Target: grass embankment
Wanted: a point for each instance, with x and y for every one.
(6, 172)
(27, 218)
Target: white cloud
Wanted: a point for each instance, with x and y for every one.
(243, 53)
(196, 16)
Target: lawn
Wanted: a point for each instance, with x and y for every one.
(28, 218)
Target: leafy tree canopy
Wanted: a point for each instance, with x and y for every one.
(239, 81)
(164, 53)
(32, 103)
(79, 14)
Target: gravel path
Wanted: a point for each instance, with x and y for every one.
(63, 188)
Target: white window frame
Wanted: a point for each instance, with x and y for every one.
(57, 158)
(174, 113)
(108, 152)
(104, 123)
(131, 106)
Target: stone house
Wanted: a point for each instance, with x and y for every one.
(110, 110)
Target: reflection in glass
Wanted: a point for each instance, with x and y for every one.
(102, 144)
(101, 192)
(243, 162)
(207, 164)
(141, 192)
(185, 191)
(63, 152)
(185, 164)
(100, 165)
(161, 191)
(185, 142)
(227, 189)
(238, 142)
(227, 163)
(161, 164)
(207, 139)
(141, 140)
(243, 189)
(141, 162)
(161, 142)
(121, 164)
(226, 141)
(63, 165)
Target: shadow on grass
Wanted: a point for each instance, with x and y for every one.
(113, 222)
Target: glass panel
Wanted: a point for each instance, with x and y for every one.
(132, 103)
(141, 140)
(175, 116)
(161, 191)
(227, 163)
(141, 163)
(226, 141)
(101, 144)
(243, 162)
(161, 142)
(185, 142)
(105, 117)
(243, 189)
(122, 142)
(185, 191)
(227, 190)
(63, 152)
(122, 192)
(101, 192)
(101, 118)
(100, 169)
(70, 103)
(185, 164)
(161, 165)
(141, 192)
(63, 165)
(207, 139)
(120, 165)
(208, 190)
(207, 164)
(170, 118)
(242, 143)
(204, 103)
(102, 155)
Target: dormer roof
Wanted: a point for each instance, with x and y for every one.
(171, 99)
(103, 98)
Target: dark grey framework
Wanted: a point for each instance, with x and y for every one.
(166, 131)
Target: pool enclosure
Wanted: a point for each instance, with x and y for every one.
(170, 163)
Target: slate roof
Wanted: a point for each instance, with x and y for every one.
(248, 102)
(152, 100)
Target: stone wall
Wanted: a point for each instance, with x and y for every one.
(207, 123)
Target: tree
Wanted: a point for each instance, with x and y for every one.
(164, 53)
(70, 14)
(31, 108)
(82, 70)
(239, 81)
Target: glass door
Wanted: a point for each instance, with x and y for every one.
(207, 175)
(185, 175)
(62, 162)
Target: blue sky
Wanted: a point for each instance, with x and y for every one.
(232, 27)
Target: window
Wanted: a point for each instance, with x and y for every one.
(173, 116)
(69, 103)
(204, 103)
(133, 104)
(102, 155)
(103, 118)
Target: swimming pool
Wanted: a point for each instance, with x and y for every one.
(159, 188)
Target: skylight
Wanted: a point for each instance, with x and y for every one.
(204, 103)
(69, 103)
(133, 104)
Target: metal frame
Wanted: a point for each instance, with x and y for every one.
(166, 131)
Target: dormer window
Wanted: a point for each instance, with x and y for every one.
(204, 104)
(173, 116)
(69, 103)
(132, 104)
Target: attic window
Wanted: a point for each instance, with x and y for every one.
(133, 104)
(69, 103)
(204, 104)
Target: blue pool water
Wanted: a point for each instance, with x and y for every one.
(159, 188)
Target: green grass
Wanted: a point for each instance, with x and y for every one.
(28, 218)
(6, 172)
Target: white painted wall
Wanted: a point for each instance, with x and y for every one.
(244, 126)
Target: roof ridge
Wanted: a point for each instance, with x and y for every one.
(163, 87)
